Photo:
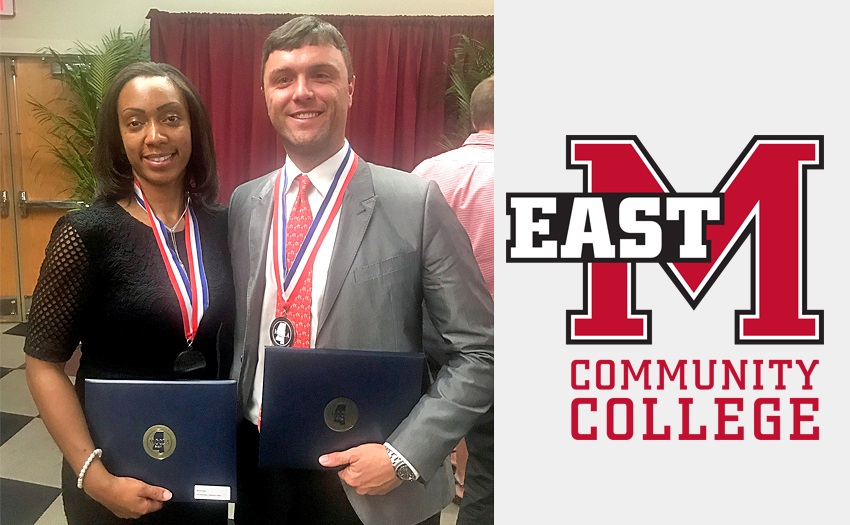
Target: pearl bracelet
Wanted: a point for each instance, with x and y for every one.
(97, 452)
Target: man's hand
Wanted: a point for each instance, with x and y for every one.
(368, 468)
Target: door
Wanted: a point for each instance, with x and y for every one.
(10, 294)
(35, 187)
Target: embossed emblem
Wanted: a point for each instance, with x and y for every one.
(341, 414)
(282, 332)
(159, 442)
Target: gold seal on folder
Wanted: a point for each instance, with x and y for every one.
(159, 442)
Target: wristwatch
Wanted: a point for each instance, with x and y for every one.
(402, 469)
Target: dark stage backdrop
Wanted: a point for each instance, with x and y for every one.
(399, 112)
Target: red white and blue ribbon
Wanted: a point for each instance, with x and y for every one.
(191, 289)
(289, 278)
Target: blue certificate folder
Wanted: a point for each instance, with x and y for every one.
(180, 435)
(317, 401)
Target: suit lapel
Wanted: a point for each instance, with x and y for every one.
(258, 237)
(357, 206)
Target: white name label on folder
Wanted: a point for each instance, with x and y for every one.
(212, 492)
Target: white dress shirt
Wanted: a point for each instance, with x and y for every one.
(321, 177)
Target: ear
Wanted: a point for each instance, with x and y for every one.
(351, 90)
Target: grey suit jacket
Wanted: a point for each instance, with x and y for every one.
(398, 245)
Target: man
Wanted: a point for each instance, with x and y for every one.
(388, 243)
(465, 176)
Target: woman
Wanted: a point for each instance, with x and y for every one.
(107, 283)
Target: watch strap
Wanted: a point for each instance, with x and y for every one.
(402, 469)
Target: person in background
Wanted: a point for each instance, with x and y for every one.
(104, 284)
(391, 243)
(465, 176)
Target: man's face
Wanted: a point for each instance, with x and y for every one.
(307, 97)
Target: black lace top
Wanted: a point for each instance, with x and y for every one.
(103, 284)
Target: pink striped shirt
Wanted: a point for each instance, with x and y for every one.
(465, 176)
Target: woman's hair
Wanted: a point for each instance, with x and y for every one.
(111, 165)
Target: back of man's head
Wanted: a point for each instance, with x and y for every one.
(481, 106)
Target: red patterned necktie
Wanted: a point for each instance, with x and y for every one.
(297, 226)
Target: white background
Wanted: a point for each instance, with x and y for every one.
(695, 82)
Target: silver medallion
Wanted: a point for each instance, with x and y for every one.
(282, 332)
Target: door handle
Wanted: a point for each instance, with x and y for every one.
(4, 204)
(26, 205)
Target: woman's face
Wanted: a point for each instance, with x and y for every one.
(154, 122)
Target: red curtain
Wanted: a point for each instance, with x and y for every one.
(399, 112)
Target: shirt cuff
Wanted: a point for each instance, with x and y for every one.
(397, 453)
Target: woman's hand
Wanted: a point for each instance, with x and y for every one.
(62, 414)
(125, 497)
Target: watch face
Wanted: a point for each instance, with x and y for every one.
(404, 473)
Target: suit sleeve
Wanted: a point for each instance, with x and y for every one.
(238, 214)
(461, 309)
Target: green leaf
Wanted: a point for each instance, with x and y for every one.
(87, 72)
(471, 62)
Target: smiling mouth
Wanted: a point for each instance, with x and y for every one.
(306, 115)
(159, 158)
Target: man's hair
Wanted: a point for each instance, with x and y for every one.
(306, 31)
(481, 105)
(111, 165)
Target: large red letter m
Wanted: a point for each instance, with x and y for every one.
(764, 195)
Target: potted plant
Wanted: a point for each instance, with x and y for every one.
(471, 62)
(87, 73)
